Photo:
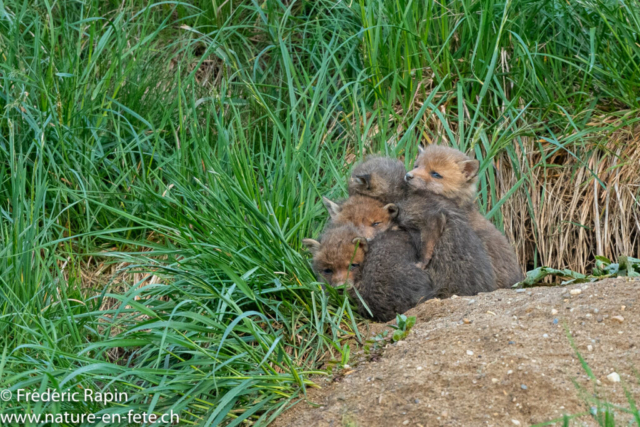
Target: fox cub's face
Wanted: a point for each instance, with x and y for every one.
(446, 171)
(378, 177)
(369, 216)
(338, 257)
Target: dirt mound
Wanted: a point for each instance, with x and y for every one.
(498, 359)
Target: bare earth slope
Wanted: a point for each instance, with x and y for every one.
(511, 365)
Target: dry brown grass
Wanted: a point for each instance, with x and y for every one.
(564, 217)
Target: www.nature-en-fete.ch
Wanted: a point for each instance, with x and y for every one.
(127, 417)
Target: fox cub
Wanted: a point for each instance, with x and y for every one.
(382, 271)
(336, 260)
(453, 175)
(381, 178)
(446, 245)
(369, 216)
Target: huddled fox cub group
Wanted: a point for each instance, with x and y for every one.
(405, 237)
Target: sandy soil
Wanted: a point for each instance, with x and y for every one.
(496, 359)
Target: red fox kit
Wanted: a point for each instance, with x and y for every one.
(450, 173)
(369, 216)
(335, 258)
(383, 271)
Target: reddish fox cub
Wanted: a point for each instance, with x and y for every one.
(450, 173)
(369, 216)
(382, 272)
(335, 258)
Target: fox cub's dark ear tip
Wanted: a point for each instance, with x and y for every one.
(361, 242)
(363, 180)
(392, 209)
(470, 168)
(312, 245)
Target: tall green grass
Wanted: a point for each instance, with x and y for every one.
(189, 143)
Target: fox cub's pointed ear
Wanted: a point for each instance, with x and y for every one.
(470, 169)
(312, 245)
(333, 208)
(392, 209)
(361, 242)
(363, 181)
(420, 149)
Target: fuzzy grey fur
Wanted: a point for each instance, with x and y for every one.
(460, 264)
(389, 281)
(379, 177)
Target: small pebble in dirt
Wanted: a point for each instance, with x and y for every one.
(618, 319)
(555, 321)
(554, 312)
(416, 401)
(515, 422)
(522, 386)
(575, 291)
(511, 342)
(494, 380)
(509, 372)
(596, 311)
(419, 368)
(405, 422)
(520, 290)
(466, 321)
(470, 353)
(472, 301)
(590, 347)
(614, 377)
(545, 336)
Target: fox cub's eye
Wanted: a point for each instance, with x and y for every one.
(436, 175)
(355, 266)
(375, 224)
(327, 271)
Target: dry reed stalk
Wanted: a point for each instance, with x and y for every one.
(569, 216)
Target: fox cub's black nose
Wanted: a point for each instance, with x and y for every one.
(408, 176)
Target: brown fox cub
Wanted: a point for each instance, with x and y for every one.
(450, 173)
(385, 275)
(369, 216)
(379, 177)
(335, 258)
